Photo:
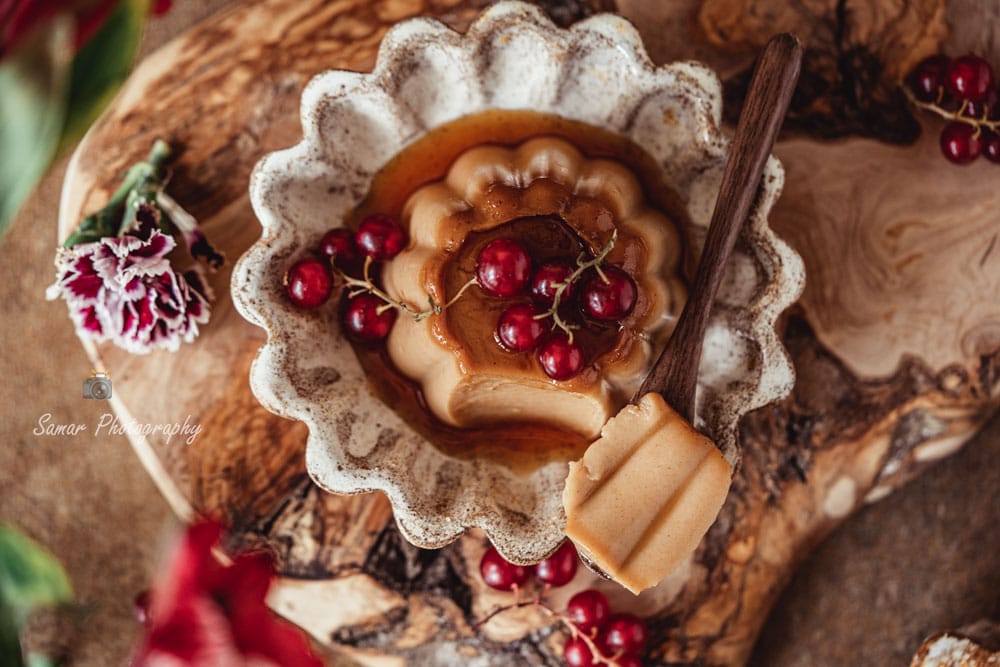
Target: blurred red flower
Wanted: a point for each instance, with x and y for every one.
(18, 18)
(206, 614)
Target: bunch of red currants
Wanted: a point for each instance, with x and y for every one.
(598, 637)
(962, 91)
(504, 270)
(309, 282)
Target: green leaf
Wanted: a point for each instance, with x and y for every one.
(102, 65)
(10, 645)
(30, 577)
(33, 86)
(36, 660)
(48, 98)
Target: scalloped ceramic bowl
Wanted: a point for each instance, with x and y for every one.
(512, 57)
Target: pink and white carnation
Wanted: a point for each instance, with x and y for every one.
(123, 289)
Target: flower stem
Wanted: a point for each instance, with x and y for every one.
(105, 222)
(140, 185)
(159, 154)
(145, 191)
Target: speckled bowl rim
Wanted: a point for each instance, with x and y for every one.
(513, 56)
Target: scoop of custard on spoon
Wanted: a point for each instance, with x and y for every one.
(645, 493)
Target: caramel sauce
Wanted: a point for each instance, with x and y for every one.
(521, 446)
(572, 223)
(473, 317)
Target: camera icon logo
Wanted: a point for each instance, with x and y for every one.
(97, 386)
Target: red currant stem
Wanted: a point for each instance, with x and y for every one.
(595, 651)
(978, 123)
(599, 657)
(561, 287)
(438, 309)
(367, 286)
(604, 277)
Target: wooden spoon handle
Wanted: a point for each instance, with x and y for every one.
(675, 373)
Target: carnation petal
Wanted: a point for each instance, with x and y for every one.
(145, 312)
(129, 320)
(125, 289)
(90, 321)
(197, 633)
(190, 564)
(84, 264)
(196, 279)
(258, 631)
(247, 580)
(157, 246)
(206, 614)
(86, 286)
(133, 289)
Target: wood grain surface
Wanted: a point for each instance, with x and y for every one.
(896, 350)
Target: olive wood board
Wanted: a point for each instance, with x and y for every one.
(895, 341)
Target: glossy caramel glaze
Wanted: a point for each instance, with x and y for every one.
(473, 318)
(570, 223)
(519, 445)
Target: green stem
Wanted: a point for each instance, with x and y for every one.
(159, 154)
(143, 193)
(140, 185)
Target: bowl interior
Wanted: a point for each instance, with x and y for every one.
(426, 75)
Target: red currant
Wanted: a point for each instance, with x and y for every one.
(927, 78)
(503, 268)
(588, 610)
(560, 358)
(368, 318)
(380, 237)
(576, 653)
(628, 660)
(518, 330)
(501, 574)
(623, 633)
(309, 283)
(984, 108)
(960, 142)
(969, 78)
(546, 279)
(991, 146)
(338, 245)
(559, 568)
(611, 300)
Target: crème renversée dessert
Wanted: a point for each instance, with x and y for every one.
(565, 271)
(507, 284)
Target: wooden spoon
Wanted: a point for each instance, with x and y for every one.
(646, 492)
(675, 373)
